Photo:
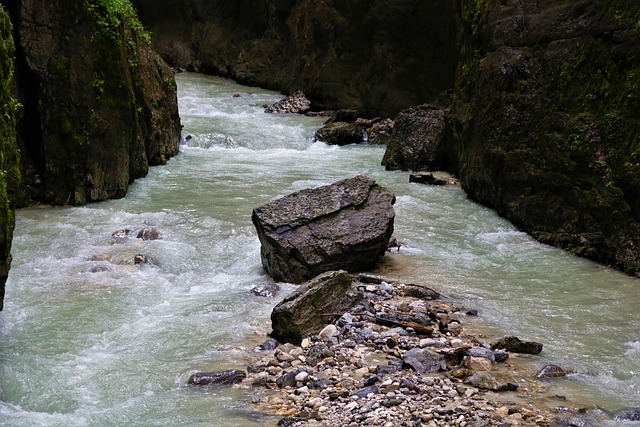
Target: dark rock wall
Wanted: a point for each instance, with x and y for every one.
(100, 106)
(9, 156)
(375, 56)
(548, 96)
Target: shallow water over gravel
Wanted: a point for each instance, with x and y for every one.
(88, 339)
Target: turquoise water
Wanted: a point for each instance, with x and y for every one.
(88, 339)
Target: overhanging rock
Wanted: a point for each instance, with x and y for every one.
(343, 226)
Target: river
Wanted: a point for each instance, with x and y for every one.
(89, 339)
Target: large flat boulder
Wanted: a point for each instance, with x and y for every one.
(343, 226)
(304, 312)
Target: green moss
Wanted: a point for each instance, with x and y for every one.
(9, 153)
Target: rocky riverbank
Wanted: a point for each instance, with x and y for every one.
(402, 356)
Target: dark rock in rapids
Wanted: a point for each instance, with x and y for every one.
(303, 312)
(296, 103)
(121, 236)
(426, 178)
(417, 140)
(423, 360)
(206, 379)
(629, 414)
(514, 345)
(341, 133)
(266, 290)
(149, 234)
(551, 371)
(345, 225)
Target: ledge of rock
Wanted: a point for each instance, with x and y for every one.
(346, 225)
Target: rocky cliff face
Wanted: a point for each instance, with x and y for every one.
(547, 101)
(100, 106)
(375, 56)
(9, 171)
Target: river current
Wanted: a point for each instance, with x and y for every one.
(89, 339)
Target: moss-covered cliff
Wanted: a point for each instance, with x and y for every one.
(9, 156)
(548, 132)
(100, 105)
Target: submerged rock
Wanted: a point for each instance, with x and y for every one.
(205, 379)
(551, 371)
(346, 225)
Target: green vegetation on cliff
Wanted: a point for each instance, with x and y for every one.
(550, 132)
(9, 155)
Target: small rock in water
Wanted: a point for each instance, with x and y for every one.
(149, 234)
(265, 290)
(551, 371)
(205, 379)
(515, 345)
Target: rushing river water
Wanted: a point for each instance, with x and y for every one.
(89, 339)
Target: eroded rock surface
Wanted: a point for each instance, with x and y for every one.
(346, 225)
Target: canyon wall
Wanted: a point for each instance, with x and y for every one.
(542, 97)
(546, 121)
(9, 157)
(100, 105)
(374, 56)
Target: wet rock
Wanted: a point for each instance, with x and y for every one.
(501, 355)
(551, 371)
(149, 234)
(295, 103)
(515, 345)
(269, 344)
(302, 313)
(120, 236)
(340, 133)
(345, 225)
(142, 259)
(265, 290)
(424, 360)
(630, 414)
(417, 140)
(426, 178)
(206, 379)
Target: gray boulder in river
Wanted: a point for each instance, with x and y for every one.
(346, 225)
